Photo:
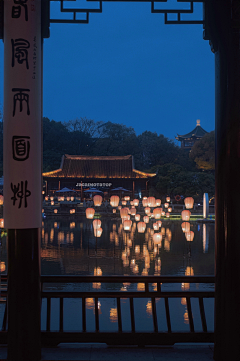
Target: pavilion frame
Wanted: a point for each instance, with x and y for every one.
(221, 24)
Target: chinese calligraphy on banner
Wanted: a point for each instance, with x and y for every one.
(22, 114)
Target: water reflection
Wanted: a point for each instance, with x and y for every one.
(172, 249)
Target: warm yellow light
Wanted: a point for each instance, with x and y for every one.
(189, 202)
(127, 224)
(151, 201)
(157, 238)
(97, 223)
(137, 217)
(146, 219)
(135, 202)
(157, 212)
(186, 215)
(114, 201)
(189, 236)
(90, 213)
(98, 232)
(55, 211)
(168, 199)
(141, 226)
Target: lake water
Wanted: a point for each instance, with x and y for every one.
(69, 247)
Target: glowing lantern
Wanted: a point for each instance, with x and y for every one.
(185, 227)
(147, 210)
(146, 219)
(1, 223)
(72, 211)
(98, 232)
(144, 202)
(46, 198)
(68, 199)
(124, 212)
(51, 198)
(72, 199)
(189, 236)
(42, 210)
(186, 215)
(141, 226)
(52, 203)
(159, 223)
(135, 202)
(90, 213)
(133, 211)
(1, 200)
(155, 226)
(158, 202)
(189, 201)
(157, 238)
(127, 224)
(157, 212)
(97, 223)
(166, 205)
(137, 217)
(55, 211)
(119, 207)
(2, 267)
(127, 198)
(170, 209)
(168, 199)
(114, 210)
(151, 201)
(167, 215)
(114, 201)
(124, 203)
(163, 213)
(97, 200)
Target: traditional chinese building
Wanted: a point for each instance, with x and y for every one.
(188, 140)
(79, 172)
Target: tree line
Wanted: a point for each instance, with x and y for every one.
(178, 171)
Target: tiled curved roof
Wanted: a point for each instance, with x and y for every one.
(80, 166)
(197, 132)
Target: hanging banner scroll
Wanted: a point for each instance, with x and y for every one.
(22, 114)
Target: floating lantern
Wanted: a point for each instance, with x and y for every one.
(168, 199)
(137, 217)
(186, 215)
(185, 227)
(90, 213)
(170, 209)
(147, 210)
(55, 211)
(189, 236)
(114, 210)
(189, 202)
(167, 215)
(97, 200)
(127, 224)
(97, 223)
(163, 213)
(137, 249)
(124, 212)
(51, 198)
(146, 219)
(166, 205)
(72, 199)
(127, 198)
(72, 225)
(119, 207)
(144, 202)
(98, 232)
(159, 223)
(1, 223)
(1, 200)
(68, 199)
(46, 198)
(157, 238)
(151, 201)
(157, 213)
(133, 211)
(158, 202)
(124, 203)
(114, 201)
(52, 203)
(141, 226)
(72, 211)
(155, 226)
(135, 202)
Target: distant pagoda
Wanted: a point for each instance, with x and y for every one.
(188, 140)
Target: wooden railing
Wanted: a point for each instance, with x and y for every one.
(153, 288)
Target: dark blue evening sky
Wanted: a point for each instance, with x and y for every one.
(126, 66)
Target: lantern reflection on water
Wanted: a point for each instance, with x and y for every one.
(185, 227)
(157, 213)
(97, 223)
(189, 236)
(186, 215)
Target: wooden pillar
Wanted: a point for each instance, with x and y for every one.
(226, 23)
(22, 152)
